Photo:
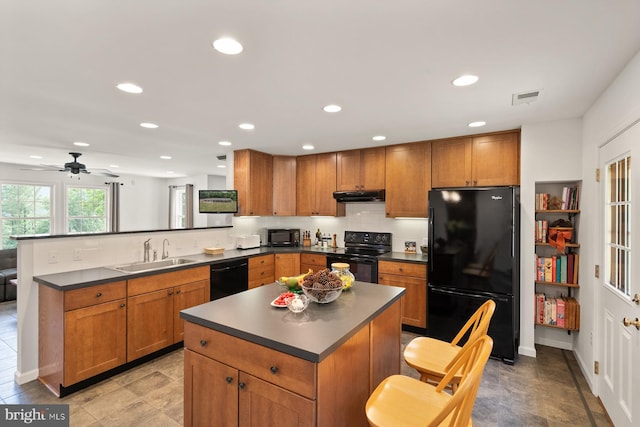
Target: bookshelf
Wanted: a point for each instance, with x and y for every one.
(557, 255)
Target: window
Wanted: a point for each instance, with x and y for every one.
(26, 210)
(86, 210)
(618, 215)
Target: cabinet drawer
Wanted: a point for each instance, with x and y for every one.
(261, 276)
(260, 261)
(284, 370)
(403, 268)
(92, 295)
(155, 282)
(313, 259)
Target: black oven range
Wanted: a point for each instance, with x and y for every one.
(361, 252)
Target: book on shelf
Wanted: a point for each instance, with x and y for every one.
(557, 269)
(563, 312)
(570, 198)
(542, 201)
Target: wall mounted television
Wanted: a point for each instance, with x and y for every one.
(218, 201)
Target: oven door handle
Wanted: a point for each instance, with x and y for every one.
(355, 260)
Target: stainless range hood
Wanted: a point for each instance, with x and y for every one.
(359, 196)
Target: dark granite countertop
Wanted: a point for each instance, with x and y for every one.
(95, 276)
(311, 335)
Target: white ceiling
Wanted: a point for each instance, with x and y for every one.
(388, 63)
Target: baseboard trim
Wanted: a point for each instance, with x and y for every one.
(25, 377)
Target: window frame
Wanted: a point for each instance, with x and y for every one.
(52, 207)
(107, 208)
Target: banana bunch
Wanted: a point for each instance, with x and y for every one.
(294, 282)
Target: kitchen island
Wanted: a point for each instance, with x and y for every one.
(248, 363)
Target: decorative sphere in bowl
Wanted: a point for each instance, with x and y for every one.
(297, 303)
(321, 294)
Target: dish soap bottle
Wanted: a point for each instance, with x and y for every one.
(341, 269)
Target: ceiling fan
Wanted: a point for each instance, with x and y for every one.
(75, 168)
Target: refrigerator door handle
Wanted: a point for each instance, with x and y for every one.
(430, 240)
(496, 297)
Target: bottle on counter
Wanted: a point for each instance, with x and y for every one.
(318, 238)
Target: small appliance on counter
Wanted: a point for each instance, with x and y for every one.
(248, 241)
(282, 237)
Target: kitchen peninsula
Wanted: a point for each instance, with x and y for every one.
(248, 363)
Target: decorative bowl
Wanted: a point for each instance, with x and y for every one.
(297, 303)
(321, 294)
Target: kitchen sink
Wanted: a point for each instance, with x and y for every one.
(137, 267)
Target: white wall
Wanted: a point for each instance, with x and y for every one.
(549, 152)
(617, 108)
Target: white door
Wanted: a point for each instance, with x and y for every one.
(619, 341)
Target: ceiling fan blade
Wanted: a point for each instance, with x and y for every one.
(104, 172)
(44, 168)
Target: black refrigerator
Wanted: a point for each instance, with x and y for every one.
(474, 255)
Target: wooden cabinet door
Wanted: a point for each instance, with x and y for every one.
(95, 340)
(372, 167)
(414, 301)
(287, 265)
(210, 392)
(261, 270)
(495, 160)
(305, 185)
(149, 323)
(264, 404)
(408, 179)
(253, 178)
(284, 185)
(314, 262)
(451, 163)
(325, 184)
(348, 174)
(186, 296)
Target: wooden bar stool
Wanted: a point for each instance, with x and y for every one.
(403, 401)
(432, 358)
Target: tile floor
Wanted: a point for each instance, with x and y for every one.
(545, 391)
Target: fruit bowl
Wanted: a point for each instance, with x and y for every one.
(320, 293)
(297, 303)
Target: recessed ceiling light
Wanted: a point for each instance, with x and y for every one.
(227, 46)
(246, 126)
(81, 144)
(225, 143)
(332, 108)
(114, 166)
(476, 124)
(149, 125)
(35, 157)
(308, 147)
(379, 138)
(222, 166)
(466, 80)
(165, 157)
(129, 88)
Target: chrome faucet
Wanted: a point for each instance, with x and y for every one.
(165, 254)
(147, 246)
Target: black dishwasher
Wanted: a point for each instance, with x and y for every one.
(229, 277)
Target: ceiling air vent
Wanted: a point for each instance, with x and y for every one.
(223, 157)
(525, 97)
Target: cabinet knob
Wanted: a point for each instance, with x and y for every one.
(170, 293)
(229, 380)
(400, 269)
(466, 183)
(274, 369)
(203, 342)
(475, 182)
(178, 291)
(99, 294)
(275, 213)
(241, 385)
(122, 305)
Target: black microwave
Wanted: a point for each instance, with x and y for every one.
(283, 237)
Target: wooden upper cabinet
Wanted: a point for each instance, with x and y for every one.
(253, 178)
(485, 160)
(284, 185)
(315, 184)
(407, 179)
(496, 159)
(361, 169)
